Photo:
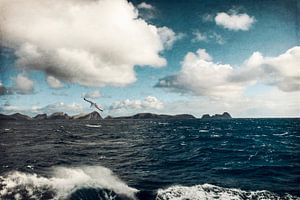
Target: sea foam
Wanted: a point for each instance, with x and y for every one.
(62, 183)
(212, 192)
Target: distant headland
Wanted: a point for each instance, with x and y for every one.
(96, 116)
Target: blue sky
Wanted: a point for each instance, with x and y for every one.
(151, 56)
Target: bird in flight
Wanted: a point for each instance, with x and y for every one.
(93, 104)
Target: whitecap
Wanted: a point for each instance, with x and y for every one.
(29, 167)
(281, 134)
(93, 125)
(203, 131)
(163, 123)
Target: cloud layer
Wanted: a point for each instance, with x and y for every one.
(234, 21)
(203, 77)
(150, 102)
(92, 43)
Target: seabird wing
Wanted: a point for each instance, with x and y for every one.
(88, 100)
(93, 104)
(98, 107)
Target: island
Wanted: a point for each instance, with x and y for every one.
(225, 115)
(156, 116)
(91, 116)
(96, 116)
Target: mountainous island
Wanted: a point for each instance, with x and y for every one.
(55, 116)
(225, 115)
(96, 116)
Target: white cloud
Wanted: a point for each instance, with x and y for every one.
(208, 37)
(234, 21)
(198, 36)
(54, 82)
(150, 102)
(92, 43)
(23, 85)
(168, 36)
(71, 108)
(203, 77)
(273, 103)
(146, 11)
(202, 54)
(93, 95)
(282, 71)
(200, 75)
(146, 6)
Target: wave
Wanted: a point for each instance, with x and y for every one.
(65, 183)
(281, 134)
(93, 125)
(97, 182)
(208, 191)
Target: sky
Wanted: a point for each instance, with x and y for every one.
(167, 57)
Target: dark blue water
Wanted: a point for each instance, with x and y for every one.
(151, 159)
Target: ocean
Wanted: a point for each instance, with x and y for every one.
(150, 159)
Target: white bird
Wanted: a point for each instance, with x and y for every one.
(93, 104)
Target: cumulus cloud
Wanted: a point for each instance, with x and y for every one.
(234, 21)
(282, 71)
(168, 36)
(203, 77)
(93, 95)
(54, 82)
(146, 11)
(92, 43)
(146, 6)
(23, 85)
(150, 102)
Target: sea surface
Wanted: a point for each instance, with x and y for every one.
(150, 159)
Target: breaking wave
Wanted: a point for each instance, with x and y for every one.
(97, 182)
(66, 183)
(208, 191)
